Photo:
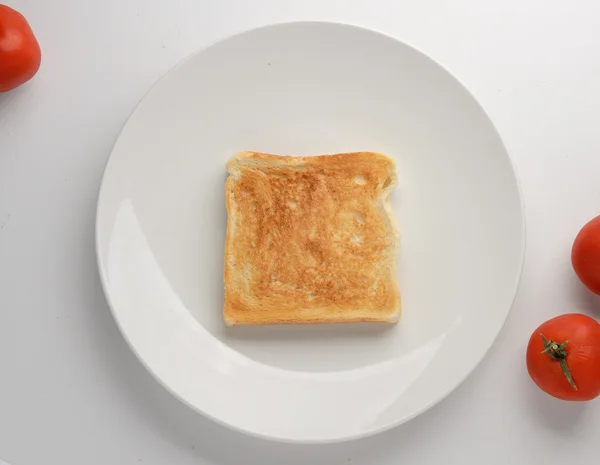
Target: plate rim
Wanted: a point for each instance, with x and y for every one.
(286, 440)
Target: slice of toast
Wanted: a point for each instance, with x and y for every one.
(310, 239)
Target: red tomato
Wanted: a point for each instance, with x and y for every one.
(20, 54)
(563, 357)
(585, 255)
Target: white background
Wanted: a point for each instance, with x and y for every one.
(71, 392)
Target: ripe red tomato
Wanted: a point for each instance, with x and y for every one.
(20, 54)
(563, 357)
(585, 255)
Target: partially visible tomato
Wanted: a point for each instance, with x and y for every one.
(20, 54)
(563, 357)
(585, 255)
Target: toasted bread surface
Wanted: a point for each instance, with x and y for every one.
(310, 239)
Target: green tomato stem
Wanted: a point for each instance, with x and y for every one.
(557, 352)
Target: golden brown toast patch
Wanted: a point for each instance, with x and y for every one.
(310, 239)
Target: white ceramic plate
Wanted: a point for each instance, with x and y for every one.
(305, 89)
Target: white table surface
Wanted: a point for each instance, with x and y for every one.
(71, 392)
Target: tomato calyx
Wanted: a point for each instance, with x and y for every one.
(557, 351)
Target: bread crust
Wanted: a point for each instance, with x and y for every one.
(310, 239)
